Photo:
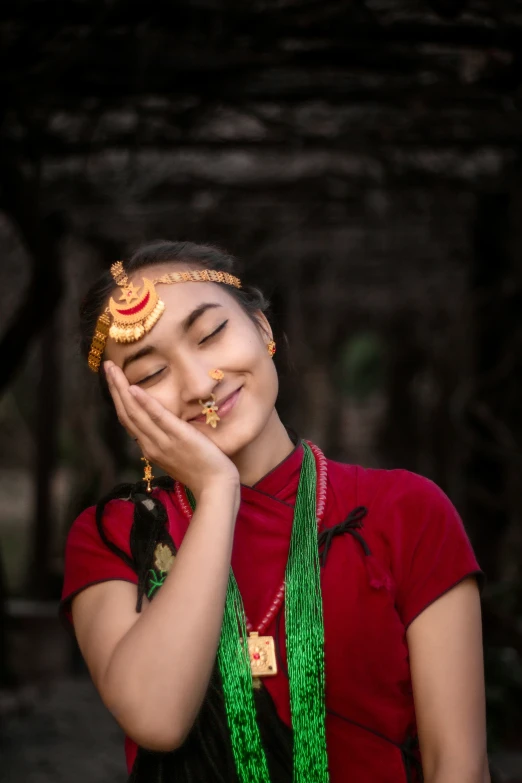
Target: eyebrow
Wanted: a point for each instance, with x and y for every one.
(192, 317)
(186, 324)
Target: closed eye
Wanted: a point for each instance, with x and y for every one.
(216, 331)
(158, 373)
(149, 377)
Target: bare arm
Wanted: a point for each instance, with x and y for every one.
(152, 670)
(445, 644)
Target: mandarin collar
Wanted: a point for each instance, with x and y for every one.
(281, 482)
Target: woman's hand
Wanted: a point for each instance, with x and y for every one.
(152, 669)
(174, 445)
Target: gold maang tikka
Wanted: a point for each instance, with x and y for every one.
(138, 308)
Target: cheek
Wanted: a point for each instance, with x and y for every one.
(247, 352)
(251, 357)
(263, 388)
(268, 379)
(167, 395)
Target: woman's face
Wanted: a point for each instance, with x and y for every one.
(201, 329)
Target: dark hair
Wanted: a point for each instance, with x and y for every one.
(162, 252)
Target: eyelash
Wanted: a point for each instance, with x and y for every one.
(216, 331)
(204, 340)
(149, 377)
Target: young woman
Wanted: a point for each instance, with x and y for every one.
(261, 613)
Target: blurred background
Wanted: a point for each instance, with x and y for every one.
(363, 158)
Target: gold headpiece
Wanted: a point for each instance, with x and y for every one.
(141, 307)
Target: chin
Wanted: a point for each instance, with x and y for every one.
(233, 439)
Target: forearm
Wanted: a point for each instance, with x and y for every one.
(452, 776)
(158, 674)
(455, 771)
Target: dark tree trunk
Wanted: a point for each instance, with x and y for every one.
(6, 673)
(40, 235)
(399, 438)
(494, 319)
(47, 441)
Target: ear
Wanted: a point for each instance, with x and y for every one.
(264, 325)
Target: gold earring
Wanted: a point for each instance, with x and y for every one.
(210, 410)
(216, 375)
(271, 348)
(147, 473)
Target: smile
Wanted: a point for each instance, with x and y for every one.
(224, 406)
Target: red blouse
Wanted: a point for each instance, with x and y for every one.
(413, 549)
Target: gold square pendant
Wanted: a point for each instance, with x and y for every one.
(261, 650)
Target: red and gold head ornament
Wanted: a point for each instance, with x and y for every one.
(138, 308)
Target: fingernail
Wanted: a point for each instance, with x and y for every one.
(133, 390)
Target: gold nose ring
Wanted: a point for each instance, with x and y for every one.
(210, 410)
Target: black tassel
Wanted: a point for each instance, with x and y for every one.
(150, 528)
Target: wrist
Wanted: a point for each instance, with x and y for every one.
(220, 490)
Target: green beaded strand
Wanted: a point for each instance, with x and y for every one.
(236, 675)
(305, 653)
(305, 634)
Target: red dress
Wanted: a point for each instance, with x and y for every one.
(411, 549)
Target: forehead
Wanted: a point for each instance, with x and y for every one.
(180, 300)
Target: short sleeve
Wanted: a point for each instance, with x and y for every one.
(89, 560)
(431, 551)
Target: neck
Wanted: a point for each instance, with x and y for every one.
(264, 453)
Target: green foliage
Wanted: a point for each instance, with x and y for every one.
(359, 371)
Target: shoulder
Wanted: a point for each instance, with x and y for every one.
(115, 519)
(417, 504)
(416, 522)
(397, 489)
(97, 550)
(403, 507)
(409, 493)
(413, 530)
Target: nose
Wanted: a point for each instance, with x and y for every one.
(196, 383)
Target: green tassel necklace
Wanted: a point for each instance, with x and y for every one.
(305, 653)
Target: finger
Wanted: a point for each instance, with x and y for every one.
(113, 390)
(148, 429)
(120, 407)
(170, 424)
(116, 388)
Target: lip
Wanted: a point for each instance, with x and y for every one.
(224, 406)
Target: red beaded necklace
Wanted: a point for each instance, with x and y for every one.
(321, 465)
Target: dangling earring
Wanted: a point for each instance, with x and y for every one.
(210, 410)
(147, 473)
(271, 348)
(216, 375)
